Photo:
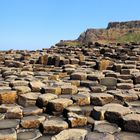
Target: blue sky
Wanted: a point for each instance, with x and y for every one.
(36, 24)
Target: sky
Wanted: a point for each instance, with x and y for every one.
(37, 24)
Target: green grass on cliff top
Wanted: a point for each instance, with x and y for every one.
(129, 37)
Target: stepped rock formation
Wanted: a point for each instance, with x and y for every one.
(71, 92)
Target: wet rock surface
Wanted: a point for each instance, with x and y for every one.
(71, 93)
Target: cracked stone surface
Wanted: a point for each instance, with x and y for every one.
(69, 92)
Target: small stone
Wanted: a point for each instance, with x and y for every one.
(112, 112)
(69, 89)
(95, 76)
(127, 136)
(98, 113)
(22, 89)
(9, 123)
(28, 99)
(101, 98)
(76, 120)
(19, 83)
(131, 122)
(81, 99)
(32, 121)
(8, 97)
(58, 104)
(52, 89)
(136, 77)
(43, 99)
(108, 81)
(126, 96)
(28, 134)
(5, 107)
(124, 77)
(44, 137)
(107, 128)
(86, 110)
(78, 76)
(36, 86)
(74, 61)
(33, 110)
(71, 134)
(133, 104)
(53, 126)
(103, 64)
(88, 83)
(14, 113)
(125, 86)
(98, 89)
(75, 82)
(8, 134)
(74, 109)
(115, 112)
(99, 136)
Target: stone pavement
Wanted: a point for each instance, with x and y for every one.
(90, 92)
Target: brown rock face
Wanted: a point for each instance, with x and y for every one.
(124, 25)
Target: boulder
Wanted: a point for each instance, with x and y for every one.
(22, 89)
(99, 136)
(36, 86)
(8, 96)
(127, 136)
(108, 81)
(78, 76)
(98, 89)
(8, 134)
(28, 99)
(115, 113)
(71, 134)
(112, 112)
(125, 86)
(53, 126)
(81, 99)
(27, 134)
(32, 121)
(9, 123)
(32, 110)
(43, 99)
(105, 127)
(131, 122)
(14, 113)
(58, 104)
(51, 89)
(18, 83)
(69, 89)
(76, 120)
(101, 99)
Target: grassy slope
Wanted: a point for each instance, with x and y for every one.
(129, 37)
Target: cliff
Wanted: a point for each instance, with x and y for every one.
(116, 32)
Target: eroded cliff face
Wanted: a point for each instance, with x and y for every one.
(116, 32)
(124, 25)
